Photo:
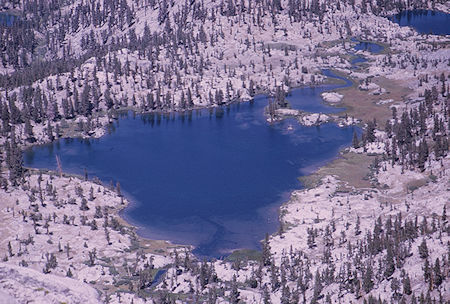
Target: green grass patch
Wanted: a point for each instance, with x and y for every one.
(244, 255)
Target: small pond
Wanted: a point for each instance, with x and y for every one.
(367, 46)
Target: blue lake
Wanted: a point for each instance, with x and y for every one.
(424, 21)
(214, 178)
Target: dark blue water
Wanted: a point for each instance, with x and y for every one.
(211, 178)
(358, 59)
(369, 46)
(424, 21)
(158, 276)
(7, 19)
(308, 98)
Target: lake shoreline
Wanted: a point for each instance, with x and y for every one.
(130, 202)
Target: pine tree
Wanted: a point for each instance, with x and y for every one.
(29, 130)
(94, 225)
(423, 154)
(14, 160)
(367, 278)
(311, 238)
(234, 293)
(204, 274)
(67, 247)
(355, 140)
(274, 276)
(389, 261)
(427, 271)
(266, 255)
(10, 252)
(370, 131)
(98, 212)
(118, 189)
(91, 198)
(358, 226)
(92, 257)
(285, 295)
(49, 131)
(266, 296)
(444, 214)
(84, 206)
(406, 284)
(317, 287)
(395, 286)
(423, 250)
(438, 278)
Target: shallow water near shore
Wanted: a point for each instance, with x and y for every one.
(213, 178)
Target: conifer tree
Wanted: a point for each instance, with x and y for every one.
(423, 249)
